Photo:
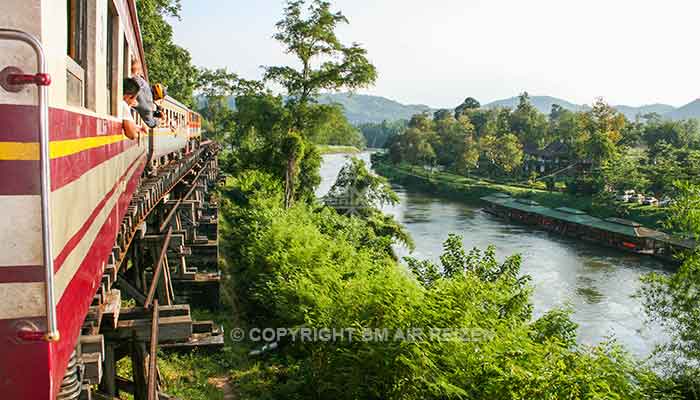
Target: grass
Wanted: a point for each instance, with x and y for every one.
(331, 149)
(473, 188)
(202, 375)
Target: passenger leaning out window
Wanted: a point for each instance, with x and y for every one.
(131, 91)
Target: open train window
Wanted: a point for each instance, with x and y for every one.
(112, 55)
(127, 59)
(76, 51)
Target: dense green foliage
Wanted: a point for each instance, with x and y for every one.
(330, 127)
(168, 63)
(292, 262)
(672, 300)
(262, 140)
(359, 192)
(377, 134)
(597, 150)
(312, 267)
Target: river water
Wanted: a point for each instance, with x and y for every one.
(598, 283)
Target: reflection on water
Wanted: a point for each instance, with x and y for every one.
(597, 282)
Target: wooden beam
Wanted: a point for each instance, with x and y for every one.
(112, 306)
(159, 269)
(93, 371)
(172, 212)
(171, 329)
(138, 366)
(152, 386)
(108, 384)
(132, 291)
(131, 313)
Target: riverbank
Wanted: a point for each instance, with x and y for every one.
(472, 189)
(331, 149)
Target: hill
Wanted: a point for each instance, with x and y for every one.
(542, 103)
(632, 112)
(361, 108)
(690, 110)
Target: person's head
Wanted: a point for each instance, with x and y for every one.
(131, 90)
(136, 66)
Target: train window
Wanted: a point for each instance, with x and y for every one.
(76, 51)
(111, 75)
(77, 30)
(127, 59)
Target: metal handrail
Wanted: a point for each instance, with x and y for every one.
(52, 334)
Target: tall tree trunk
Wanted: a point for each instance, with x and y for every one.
(289, 181)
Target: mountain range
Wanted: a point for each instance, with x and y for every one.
(361, 108)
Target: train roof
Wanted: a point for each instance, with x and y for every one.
(179, 104)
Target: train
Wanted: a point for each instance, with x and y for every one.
(68, 175)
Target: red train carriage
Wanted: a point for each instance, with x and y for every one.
(67, 174)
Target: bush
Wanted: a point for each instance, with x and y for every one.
(311, 267)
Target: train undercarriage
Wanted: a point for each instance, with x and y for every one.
(165, 260)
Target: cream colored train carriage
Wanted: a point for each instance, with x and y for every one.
(67, 174)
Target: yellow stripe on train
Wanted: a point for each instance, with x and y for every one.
(22, 151)
(19, 151)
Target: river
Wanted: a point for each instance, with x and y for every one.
(598, 283)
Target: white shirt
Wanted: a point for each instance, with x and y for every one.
(125, 112)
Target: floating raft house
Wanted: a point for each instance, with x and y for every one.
(613, 232)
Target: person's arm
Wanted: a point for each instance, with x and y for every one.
(131, 130)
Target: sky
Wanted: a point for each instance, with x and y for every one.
(438, 52)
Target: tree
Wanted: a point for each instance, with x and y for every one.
(168, 63)
(672, 300)
(358, 192)
(564, 126)
(469, 157)
(600, 147)
(498, 122)
(262, 140)
(527, 123)
(442, 115)
(622, 172)
(378, 135)
(330, 126)
(469, 103)
(677, 133)
(684, 213)
(221, 83)
(602, 129)
(311, 38)
(664, 168)
(449, 144)
(504, 153)
(309, 35)
(219, 120)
